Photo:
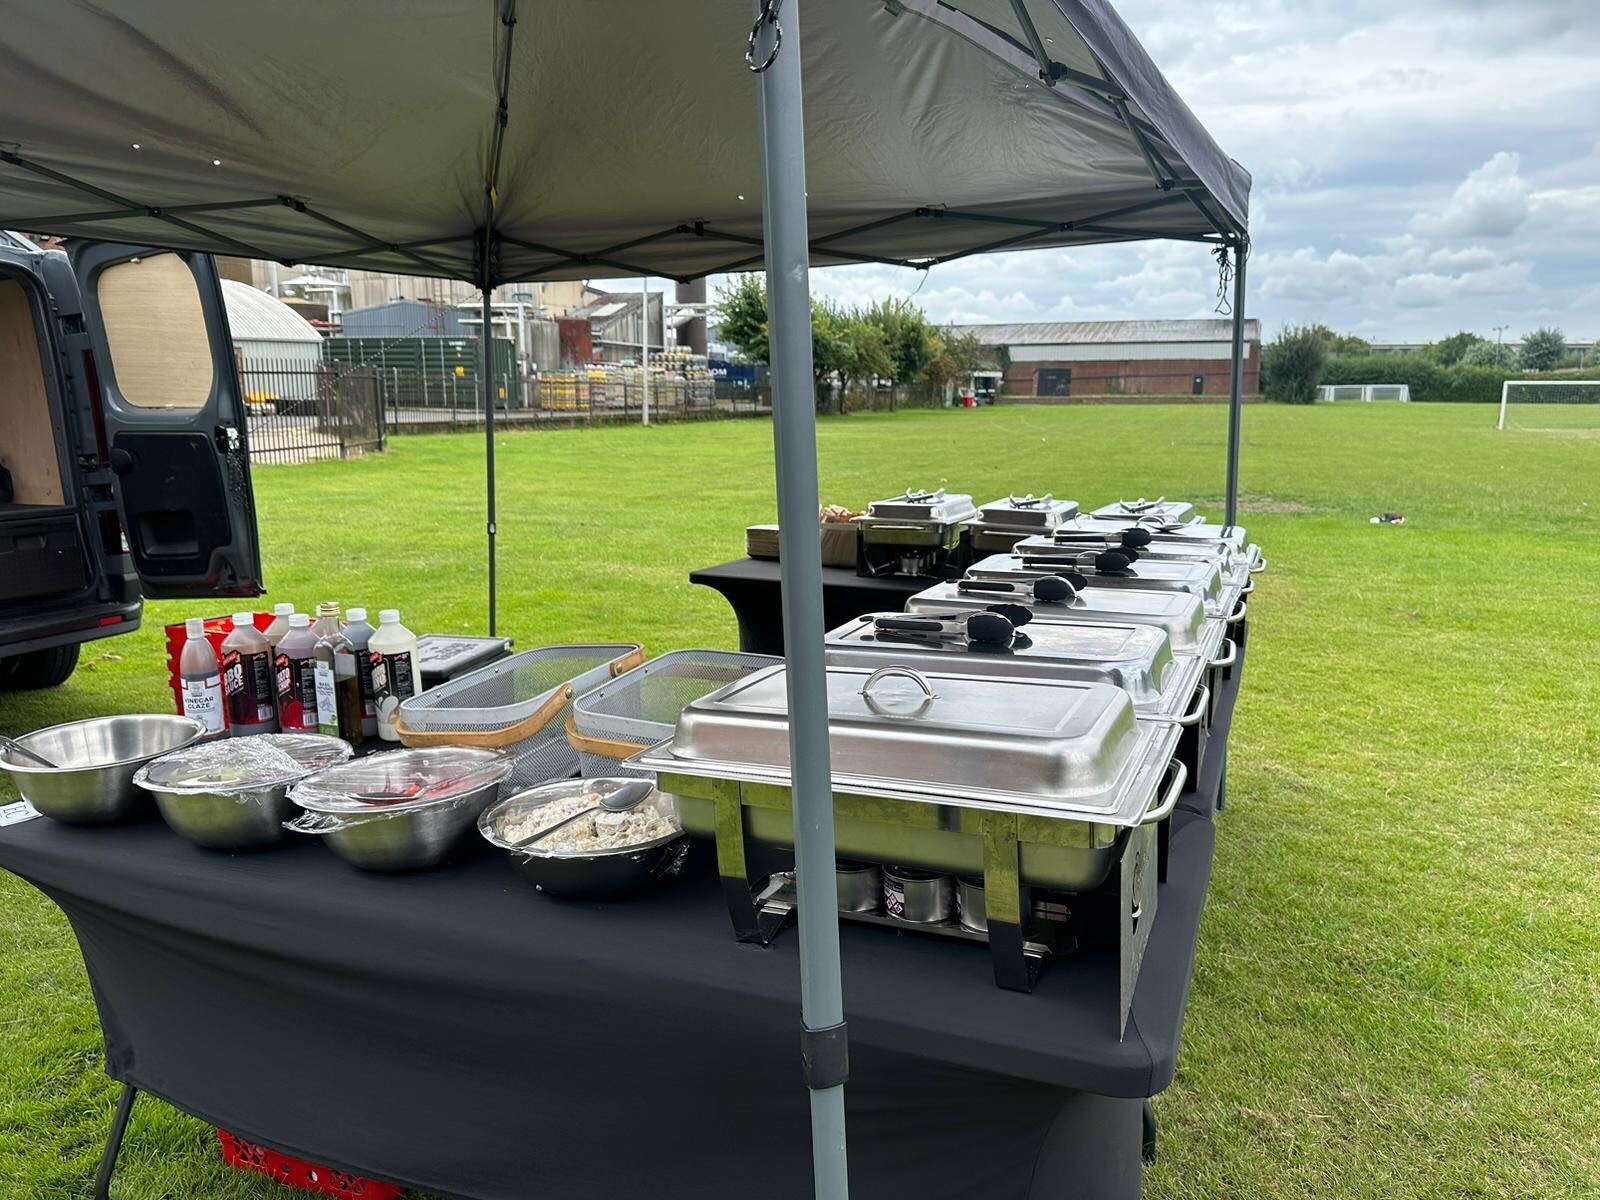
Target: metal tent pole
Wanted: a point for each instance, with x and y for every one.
(487, 337)
(823, 1039)
(644, 345)
(1236, 388)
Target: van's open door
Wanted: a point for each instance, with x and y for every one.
(174, 419)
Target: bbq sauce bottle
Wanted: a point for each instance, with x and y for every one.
(396, 677)
(247, 679)
(294, 672)
(359, 634)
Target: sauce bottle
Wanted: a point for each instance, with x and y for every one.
(392, 653)
(326, 629)
(294, 672)
(280, 625)
(200, 676)
(247, 678)
(359, 634)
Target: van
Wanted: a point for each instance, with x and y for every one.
(124, 457)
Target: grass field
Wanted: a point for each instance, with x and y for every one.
(1398, 987)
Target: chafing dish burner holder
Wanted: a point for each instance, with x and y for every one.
(1027, 784)
(915, 533)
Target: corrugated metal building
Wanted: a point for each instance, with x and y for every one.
(1060, 359)
(404, 319)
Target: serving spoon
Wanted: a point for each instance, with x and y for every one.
(12, 746)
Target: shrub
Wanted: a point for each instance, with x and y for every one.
(1490, 354)
(1292, 365)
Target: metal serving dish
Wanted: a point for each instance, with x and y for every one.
(926, 766)
(400, 810)
(96, 760)
(915, 533)
(1200, 531)
(1136, 658)
(588, 875)
(1002, 523)
(234, 794)
(1162, 509)
(1234, 556)
(1181, 614)
(937, 507)
(1203, 578)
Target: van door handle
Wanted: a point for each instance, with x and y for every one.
(228, 439)
(122, 462)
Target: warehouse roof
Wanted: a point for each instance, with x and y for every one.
(1057, 333)
(254, 316)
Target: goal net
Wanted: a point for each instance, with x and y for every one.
(1550, 405)
(1365, 391)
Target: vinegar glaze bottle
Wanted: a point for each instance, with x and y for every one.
(247, 678)
(280, 625)
(392, 653)
(294, 671)
(359, 634)
(200, 677)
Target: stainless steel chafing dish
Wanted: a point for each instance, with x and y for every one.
(1001, 523)
(1175, 511)
(1028, 782)
(1196, 530)
(1227, 542)
(1201, 578)
(914, 533)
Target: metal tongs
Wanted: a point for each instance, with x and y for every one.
(1135, 538)
(1047, 589)
(1098, 562)
(978, 628)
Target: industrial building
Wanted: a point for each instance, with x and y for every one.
(1066, 359)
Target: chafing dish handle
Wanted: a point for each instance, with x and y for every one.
(1259, 565)
(1202, 698)
(910, 673)
(1249, 586)
(1238, 613)
(1169, 801)
(1229, 656)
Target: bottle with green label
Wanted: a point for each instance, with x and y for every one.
(331, 719)
(392, 656)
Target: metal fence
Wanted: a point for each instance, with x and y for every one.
(301, 412)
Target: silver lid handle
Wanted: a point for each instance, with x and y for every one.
(916, 677)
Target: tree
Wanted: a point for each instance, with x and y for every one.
(908, 336)
(828, 350)
(1489, 354)
(1002, 359)
(1542, 350)
(964, 350)
(865, 352)
(1291, 365)
(1340, 343)
(1447, 352)
(741, 312)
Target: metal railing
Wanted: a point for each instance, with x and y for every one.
(304, 412)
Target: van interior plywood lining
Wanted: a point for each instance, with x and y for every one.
(27, 438)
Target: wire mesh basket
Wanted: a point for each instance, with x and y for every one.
(519, 705)
(637, 710)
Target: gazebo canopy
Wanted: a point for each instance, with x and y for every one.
(593, 139)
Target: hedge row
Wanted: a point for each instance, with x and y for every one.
(1429, 381)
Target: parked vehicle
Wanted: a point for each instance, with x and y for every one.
(124, 463)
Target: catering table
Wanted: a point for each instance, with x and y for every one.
(752, 587)
(456, 1031)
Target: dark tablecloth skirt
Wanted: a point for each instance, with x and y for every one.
(456, 1031)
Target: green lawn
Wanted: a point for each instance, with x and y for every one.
(1398, 989)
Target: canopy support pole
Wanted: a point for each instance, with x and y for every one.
(1241, 253)
(794, 409)
(487, 336)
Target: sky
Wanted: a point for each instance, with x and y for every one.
(1420, 167)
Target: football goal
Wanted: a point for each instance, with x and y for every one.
(1365, 391)
(1550, 405)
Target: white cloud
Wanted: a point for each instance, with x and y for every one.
(1492, 201)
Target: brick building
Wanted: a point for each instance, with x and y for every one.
(1065, 359)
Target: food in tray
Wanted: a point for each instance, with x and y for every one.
(596, 832)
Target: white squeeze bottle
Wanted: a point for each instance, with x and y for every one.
(247, 678)
(201, 677)
(358, 633)
(280, 625)
(392, 653)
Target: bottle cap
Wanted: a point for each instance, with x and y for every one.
(195, 627)
(299, 621)
(244, 620)
(282, 610)
(328, 608)
(389, 616)
(356, 615)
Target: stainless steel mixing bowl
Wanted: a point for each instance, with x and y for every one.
(96, 759)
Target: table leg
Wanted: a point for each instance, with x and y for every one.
(119, 1126)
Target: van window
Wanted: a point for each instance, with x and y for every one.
(156, 329)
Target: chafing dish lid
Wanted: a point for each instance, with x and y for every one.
(1135, 658)
(1051, 747)
(1027, 512)
(939, 506)
(1181, 614)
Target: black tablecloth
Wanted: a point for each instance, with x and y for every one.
(456, 1031)
(751, 587)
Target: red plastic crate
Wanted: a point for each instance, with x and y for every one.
(294, 1172)
(217, 628)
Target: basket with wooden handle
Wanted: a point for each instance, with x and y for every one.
(519, 705)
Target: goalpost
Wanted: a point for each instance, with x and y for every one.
(1367, 392)
(1550, 405)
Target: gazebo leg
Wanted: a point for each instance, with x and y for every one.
(1149, 1114)
(119, 1126)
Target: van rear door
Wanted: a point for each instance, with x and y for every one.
(174, 419)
